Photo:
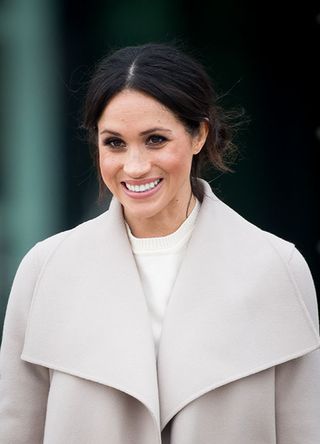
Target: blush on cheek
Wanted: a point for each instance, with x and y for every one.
(172, 158)
(178, 162)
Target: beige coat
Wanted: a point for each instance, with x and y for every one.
(238, 360)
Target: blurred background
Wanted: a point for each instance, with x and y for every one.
(262, 57)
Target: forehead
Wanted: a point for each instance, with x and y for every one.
(130, 107)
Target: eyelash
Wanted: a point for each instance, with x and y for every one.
(109, 142)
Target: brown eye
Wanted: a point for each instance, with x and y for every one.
(114, 143)
(156, 139)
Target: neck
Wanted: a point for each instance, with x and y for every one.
(160, 226)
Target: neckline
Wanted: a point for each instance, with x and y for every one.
(164, 243)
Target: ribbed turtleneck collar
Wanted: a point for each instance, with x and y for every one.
(167, 243)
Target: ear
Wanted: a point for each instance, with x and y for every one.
(200, 138)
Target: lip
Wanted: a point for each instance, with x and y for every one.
(144, 194)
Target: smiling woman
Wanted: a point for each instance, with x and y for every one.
(169, 318)
(147, 168)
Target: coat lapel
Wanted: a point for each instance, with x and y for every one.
(89, 317)
(234, 310)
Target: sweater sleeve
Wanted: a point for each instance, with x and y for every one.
(297, 382)
(23, 386)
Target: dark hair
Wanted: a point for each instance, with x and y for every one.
(176, 80)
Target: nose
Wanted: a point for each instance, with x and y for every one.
(136, 163)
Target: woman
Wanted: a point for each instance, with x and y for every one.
(169, 318)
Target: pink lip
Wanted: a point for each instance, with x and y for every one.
(143, 194)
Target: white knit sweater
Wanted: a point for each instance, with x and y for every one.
(158, 260)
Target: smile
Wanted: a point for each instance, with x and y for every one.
(142, 188)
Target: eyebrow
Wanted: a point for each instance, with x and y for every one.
(143, 133)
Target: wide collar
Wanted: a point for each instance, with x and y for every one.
(234, 310)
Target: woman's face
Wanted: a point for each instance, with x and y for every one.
(145, 156)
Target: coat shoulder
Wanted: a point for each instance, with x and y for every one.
(293, 262)
(246, 231)
(45, 248)
(299, 272)
(283, 247)
(34, 263)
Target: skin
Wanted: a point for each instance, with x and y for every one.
(135, 158)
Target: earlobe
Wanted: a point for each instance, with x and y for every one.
(197, 149)
(201, 137)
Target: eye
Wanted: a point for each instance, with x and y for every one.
(113, 142)
(156, 139)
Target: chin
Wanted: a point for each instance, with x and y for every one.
(142, 210)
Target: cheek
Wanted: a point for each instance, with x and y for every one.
(108, 168)
(177, 160)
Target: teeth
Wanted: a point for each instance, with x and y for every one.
(142, 188)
